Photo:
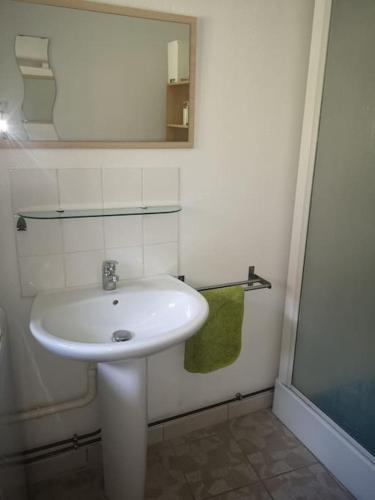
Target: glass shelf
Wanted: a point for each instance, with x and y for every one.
(98, 212)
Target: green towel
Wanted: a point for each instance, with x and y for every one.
(218, 342)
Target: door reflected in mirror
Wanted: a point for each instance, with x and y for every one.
(73, 75)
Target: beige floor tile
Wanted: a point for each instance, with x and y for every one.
(80, 485)
(161, 460)
(174, 491)
(253, 492)
(269, 463)
(164, 480)
(214, 465)
(191, 423)
(44, 492)
(309, 483)
(222, 462)
(213, 430)
(270, 447)
(193, 436)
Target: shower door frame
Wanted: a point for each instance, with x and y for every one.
(348, 460)
(306, 164)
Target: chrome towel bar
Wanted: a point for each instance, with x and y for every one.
(253, 282)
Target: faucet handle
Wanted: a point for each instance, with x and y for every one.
(109, 276)
(110, 263)
(109, 267)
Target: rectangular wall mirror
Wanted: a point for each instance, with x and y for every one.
(82, 74)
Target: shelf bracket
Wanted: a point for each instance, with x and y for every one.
(21, 224)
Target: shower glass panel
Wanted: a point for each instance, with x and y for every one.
(335, 352)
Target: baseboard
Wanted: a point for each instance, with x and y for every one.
(346, 460)
(183, 425)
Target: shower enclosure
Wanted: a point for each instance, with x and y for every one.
(326, 388)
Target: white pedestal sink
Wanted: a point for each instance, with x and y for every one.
(118, 329)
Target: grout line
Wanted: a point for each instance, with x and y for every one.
(300, 467)
(102, 185)
(58, 187)
(167, 242)
(143, 228)
(267, 490)
(189, 487)
(237, 488)
(142, 185)
(179, 223)
(102, 203)
(95, 250)
(63, 254)
(117, 248)
(143, 245)
(61, 226)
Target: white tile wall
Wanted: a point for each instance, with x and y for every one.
(41, 273)
(83, 234)
(161, 258)
(160, 228)
(130, 261)
(57, 254)
(123, 231)
(122, 187)
(42, 238)
(34, 188)
(83, 268)
(80, 188)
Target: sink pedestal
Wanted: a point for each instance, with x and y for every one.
(123, 412)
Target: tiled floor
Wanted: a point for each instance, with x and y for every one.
(253, 457)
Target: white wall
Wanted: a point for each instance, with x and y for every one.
(237, 192)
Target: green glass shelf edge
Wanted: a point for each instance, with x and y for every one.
(98, 212)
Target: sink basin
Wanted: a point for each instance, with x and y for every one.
(140, 318)
(118, 329)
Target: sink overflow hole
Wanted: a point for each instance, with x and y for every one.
(121, 336)
(115, 302)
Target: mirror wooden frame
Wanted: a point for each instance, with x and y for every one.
(130, 12)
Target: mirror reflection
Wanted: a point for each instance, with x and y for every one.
(39, 86)
(75, 75)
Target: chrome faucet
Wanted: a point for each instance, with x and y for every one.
(109, 275)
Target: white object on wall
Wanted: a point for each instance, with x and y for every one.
(185, 114)
(41, 131)
(178, 61)
(32, 48)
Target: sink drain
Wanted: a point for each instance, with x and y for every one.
(121, 336)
